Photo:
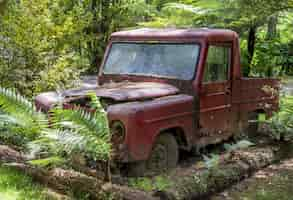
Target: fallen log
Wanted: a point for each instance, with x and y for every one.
(188, 183)
(7, 154)
(65, 181)
(194, 184)
(127, 193)
(69, 180)
(60, 179)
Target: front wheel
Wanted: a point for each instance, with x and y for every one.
(164, 156)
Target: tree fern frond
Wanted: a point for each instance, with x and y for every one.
(11, 102)
(84, 121)
(73, 142)
(19, 115)
(6, 120)
(54, 161)
(75, 130)
(20, 108)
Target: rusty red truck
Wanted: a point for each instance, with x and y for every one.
(172, 89)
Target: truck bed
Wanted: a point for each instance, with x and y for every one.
(258, 94)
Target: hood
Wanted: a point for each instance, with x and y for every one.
(126, 91)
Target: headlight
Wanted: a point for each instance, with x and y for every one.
(117, 132)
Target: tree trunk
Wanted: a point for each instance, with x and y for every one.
(272, 32)
(251, 45)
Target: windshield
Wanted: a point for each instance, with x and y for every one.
(153, 59)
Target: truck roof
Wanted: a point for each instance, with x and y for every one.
(212, 35)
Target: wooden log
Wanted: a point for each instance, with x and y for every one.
(69, 180)
(127, 193)
(189, 183)
(194, 184)
(7, 154)
(65, 181)
(60, 179)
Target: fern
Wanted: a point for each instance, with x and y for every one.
(53, 161)
(80, 131)
(281, 124)
(11, 102)
(72, 142)
(84, 122)
(212, 161)
(18, 116)
(71, 131)
(242, 144)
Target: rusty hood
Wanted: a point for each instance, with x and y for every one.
(126, 91)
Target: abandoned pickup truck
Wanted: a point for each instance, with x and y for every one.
(173, 89)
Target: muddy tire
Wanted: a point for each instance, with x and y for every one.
(164, 156)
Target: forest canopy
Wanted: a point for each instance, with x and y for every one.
(48, 44)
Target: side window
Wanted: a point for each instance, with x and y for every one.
(217, 64)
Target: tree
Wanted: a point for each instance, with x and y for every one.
(2, 6)
(244, 16)
(69, 38)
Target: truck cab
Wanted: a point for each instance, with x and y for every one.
(171, 89)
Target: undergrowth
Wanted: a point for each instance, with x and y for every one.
(54, 141)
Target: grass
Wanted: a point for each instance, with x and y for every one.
(16, 186)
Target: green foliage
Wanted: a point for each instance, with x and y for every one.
(16, 186)
(46, 45)
(2, 6)
(281, 124)
(242, 144)
(261, 40)
(48, 162)
(71, 131)
(69, 37)
(212, 161)
(19, 118)
(141, 183)
(158, 183)
(38, 50)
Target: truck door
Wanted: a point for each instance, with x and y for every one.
(215, 95)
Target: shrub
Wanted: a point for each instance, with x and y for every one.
(281, 124)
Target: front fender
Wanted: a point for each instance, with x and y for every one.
(144, 121)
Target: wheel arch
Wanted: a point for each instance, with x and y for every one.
(179, 134)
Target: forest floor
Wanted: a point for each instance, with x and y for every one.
(272, 183)
(16, 186)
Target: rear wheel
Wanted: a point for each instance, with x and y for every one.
(164, 156)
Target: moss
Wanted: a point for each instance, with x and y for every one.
(158, 183)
